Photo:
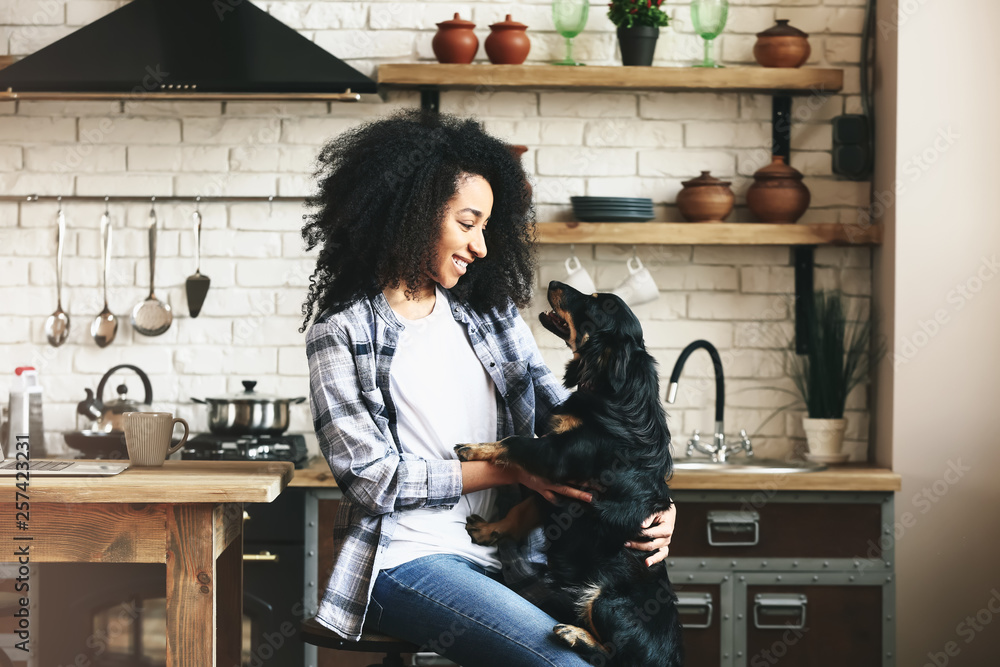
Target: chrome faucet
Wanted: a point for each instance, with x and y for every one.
(719, 449)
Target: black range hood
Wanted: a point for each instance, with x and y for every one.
(188, 46)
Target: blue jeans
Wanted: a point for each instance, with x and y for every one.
(453, 607)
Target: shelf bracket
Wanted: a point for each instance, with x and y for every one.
(430, 98)
(803, 261)
(781, 125)
(802, 256)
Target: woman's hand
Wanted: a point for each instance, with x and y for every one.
(547, 488)
(655, 535)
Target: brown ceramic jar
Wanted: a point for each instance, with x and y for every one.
(782, 46)
(778, 193)
(507, 43)
(705, 199)
(455, 42)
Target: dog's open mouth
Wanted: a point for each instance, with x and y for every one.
(555, 323)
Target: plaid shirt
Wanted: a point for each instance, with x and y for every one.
(350, 353)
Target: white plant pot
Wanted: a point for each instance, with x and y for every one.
(825, 437)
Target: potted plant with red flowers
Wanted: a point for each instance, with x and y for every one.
(639, 23)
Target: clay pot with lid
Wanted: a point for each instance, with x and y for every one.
(705, 198)
(507, 43)
(782, 46)
(778, 193)
(455, 42)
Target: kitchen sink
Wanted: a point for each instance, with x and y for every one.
(744, 465)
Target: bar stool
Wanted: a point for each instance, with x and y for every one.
(317, 634)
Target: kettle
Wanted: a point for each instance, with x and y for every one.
(107, 417)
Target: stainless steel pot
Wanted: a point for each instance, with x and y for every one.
(248, 412)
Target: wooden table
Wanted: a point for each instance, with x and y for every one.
(187, 514)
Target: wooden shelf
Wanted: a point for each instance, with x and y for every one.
(179, 96)
(706, 233)
(757, 79)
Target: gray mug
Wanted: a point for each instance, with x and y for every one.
(147, 437)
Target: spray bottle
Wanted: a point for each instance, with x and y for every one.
(25, 412)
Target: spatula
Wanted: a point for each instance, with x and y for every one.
(197, 284)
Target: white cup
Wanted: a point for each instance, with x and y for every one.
(147, 437)
(577, 277)
(639, 287)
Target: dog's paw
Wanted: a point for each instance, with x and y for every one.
(481, 531)
(481, 451)
(579, 639)
(572, 635)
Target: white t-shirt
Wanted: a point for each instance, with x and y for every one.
(443, 397)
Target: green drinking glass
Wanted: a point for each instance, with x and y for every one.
(570, 17)
(709, 18)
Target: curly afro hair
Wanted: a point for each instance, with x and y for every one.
(377, 216)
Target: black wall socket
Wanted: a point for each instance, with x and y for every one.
(852, 147)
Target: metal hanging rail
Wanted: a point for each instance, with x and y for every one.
(137, 198)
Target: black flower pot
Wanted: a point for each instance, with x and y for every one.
(638, 44)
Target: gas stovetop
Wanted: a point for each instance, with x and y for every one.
(210, 447)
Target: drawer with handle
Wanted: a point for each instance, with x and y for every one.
(699, 612)
(787, 530)
(830, 625)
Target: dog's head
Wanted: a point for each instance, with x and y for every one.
(603, 333)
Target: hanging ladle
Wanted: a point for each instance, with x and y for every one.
(57, 324)
(105, 326)
(151, 317)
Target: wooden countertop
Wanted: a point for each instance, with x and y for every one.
(175, 482)
(850, 477)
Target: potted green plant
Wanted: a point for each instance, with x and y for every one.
(639, 23)
(837, 360)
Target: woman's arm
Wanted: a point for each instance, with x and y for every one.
(479, 475)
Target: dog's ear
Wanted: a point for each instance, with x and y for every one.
(587, 367)
(617, 360)
(572, 376)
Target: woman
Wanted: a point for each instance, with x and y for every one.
(424, 224)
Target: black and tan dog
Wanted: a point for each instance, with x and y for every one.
(611, 434)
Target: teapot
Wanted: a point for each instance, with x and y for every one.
(107, 417)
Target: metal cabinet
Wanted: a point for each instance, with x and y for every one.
(764, 578)
(785, 578)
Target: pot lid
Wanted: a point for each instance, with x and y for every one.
(706, 178)
(782, 29)
(248, 394)
(456, 22)
(122, 404)
(777, 170)
(507, 24)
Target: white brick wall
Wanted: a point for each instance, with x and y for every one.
(597, 143)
